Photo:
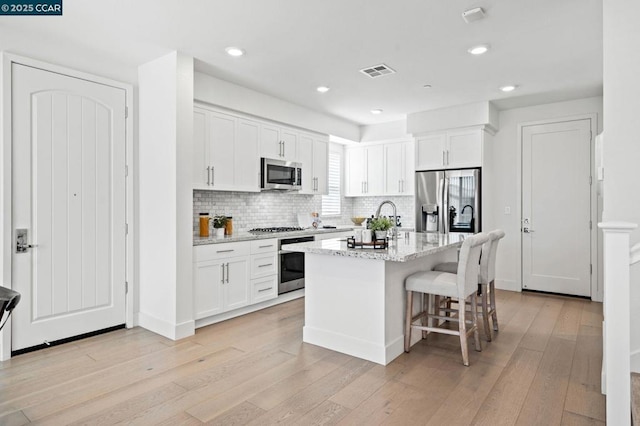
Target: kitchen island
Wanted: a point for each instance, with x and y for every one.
(355, 297)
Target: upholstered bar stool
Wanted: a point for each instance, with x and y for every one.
(462, 285)
(486, 280)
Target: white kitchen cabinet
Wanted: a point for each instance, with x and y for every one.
(399, 168)
(313, 154)
(264, 289)
(278, 142)
(453, 149)
(221, 278)
(365, 171)
(225, 155)
(264, 270)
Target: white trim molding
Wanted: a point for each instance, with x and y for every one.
(616, 363)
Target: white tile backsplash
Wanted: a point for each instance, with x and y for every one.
(367, 206)
(254, 210)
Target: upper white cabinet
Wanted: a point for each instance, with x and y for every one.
(278, 142)
(453, 149)
(399, 168)
(380, 169)
(313, 153)
(225, 151)
(365, 171)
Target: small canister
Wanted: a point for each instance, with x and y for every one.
(228, 227)
(204, 224)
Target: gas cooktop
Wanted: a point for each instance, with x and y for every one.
(277, 229)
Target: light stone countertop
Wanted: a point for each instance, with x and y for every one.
(409, 246)
(249, 236)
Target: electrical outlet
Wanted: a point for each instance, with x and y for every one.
(507, 210)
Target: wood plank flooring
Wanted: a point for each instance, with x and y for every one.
(543, 368)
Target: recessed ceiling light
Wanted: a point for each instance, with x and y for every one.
(508, 88)
(478, 50)
(234, 51)
(376, 111)
(322, 89)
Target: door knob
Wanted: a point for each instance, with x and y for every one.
(526, 230)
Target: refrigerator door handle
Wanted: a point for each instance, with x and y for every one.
(445, 206)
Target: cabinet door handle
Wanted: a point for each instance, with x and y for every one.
(222, 267)
(225, 251)
(447, 157)
(227, 273)
(399, 190)
(443, 162)
(208, 175)
(264, 289)
(265, 265)
(283, 149)
(270, 245)
(213, 175)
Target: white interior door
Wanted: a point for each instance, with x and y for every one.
(69, 197)
(556, 207)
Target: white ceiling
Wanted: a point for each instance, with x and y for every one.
(551, 49)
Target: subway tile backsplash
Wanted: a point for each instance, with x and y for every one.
(254, 210)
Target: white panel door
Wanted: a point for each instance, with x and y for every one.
(208, 281)
(556, 207)
(69, 195)
(236, 284)
(270, 142)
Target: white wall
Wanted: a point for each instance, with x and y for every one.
(228, 95)
(165, 206)
(455, 117)
(505, 179)
(621, 143)
(384, 131)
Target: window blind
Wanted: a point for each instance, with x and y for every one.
(331, 201)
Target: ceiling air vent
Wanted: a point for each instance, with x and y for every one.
(377, 71)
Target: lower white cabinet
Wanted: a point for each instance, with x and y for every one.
(229, 276)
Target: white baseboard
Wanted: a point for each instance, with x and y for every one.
(346, 344)
(165, 328)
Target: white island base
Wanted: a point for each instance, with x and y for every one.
(356, 305)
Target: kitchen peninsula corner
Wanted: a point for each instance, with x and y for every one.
(355, 298)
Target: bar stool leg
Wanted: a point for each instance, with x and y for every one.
(409, 315)
(485, 312)
(462, 328)
(494, 312)
(474, 315)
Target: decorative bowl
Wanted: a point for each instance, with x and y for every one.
(358, 220)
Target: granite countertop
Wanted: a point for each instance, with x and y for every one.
(249, 236)
(408, 247)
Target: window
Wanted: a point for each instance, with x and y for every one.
(331, 202)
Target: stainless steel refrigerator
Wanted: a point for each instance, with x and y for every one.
(448, 201)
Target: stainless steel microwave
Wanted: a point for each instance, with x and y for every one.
(279, 174)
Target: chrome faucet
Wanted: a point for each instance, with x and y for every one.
(394, 230)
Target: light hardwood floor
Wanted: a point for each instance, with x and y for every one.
(542, 368)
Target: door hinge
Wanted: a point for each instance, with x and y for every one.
(590, 224)
(590, 180)
(126, 229)
(590, 136)
(126, 112)
(126, 287)
(591, 268)
(126, 171)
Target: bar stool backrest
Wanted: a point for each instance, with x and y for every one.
(495, 237)
(468, 264)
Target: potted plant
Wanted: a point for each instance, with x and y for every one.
(380, 225)
(219, 221)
